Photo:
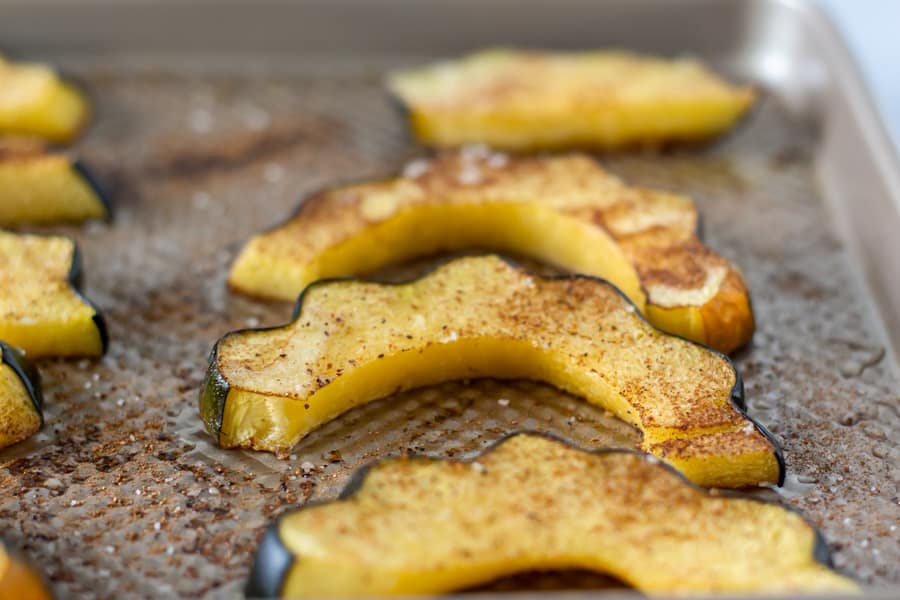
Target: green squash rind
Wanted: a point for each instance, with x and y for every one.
(76, 283)
(100, 192)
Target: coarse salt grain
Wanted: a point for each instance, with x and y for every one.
(503, 402)
(469, 175)
(200, 200)
(307, 466)
(478, 467)
(497, 161)
(213, 491)
(273, 173)
(416, 168)
(256, 118)
(157, 526)
(474, 151)
(201, 121)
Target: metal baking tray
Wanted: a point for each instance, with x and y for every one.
(213, 119)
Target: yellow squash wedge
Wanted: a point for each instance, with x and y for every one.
(566, 211)
(38, 186)
(19, 580)
(35, 101)
(41, 310)
(353, 342)
(426, 526)
(538, 100)
(21, 400)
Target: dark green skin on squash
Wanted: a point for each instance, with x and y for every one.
(76, 282)
(99, 191)
(274, 561)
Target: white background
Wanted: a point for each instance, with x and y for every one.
(871, 29)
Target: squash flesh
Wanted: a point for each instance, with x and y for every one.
(35, 101)
(354, 342)
(19, 417)
(40, 187)
(40, 311)
(511, 227)
(18, 581)
(529, 101)
(535, 503)
(565, 211)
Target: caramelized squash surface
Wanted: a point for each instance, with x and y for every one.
(566, 211)
(41, 310)
(425, 526)
(353, 342)
(536, 100)
(20, 397)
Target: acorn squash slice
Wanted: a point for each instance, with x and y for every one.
(41, 310)
(566, 211)
(18, 579)
(353, 342)
(536, 100)
(35, 101)
(39, 186)
(21, 400)
(427, 526)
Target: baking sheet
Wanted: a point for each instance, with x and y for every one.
(123, 493)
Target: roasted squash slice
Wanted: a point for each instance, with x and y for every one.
(18, 580)
(353, 342)
(38, 186)
(21, 400)
(425, 526)
(41, 310)
(34, 100)
(532, 100)
(566, 211)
